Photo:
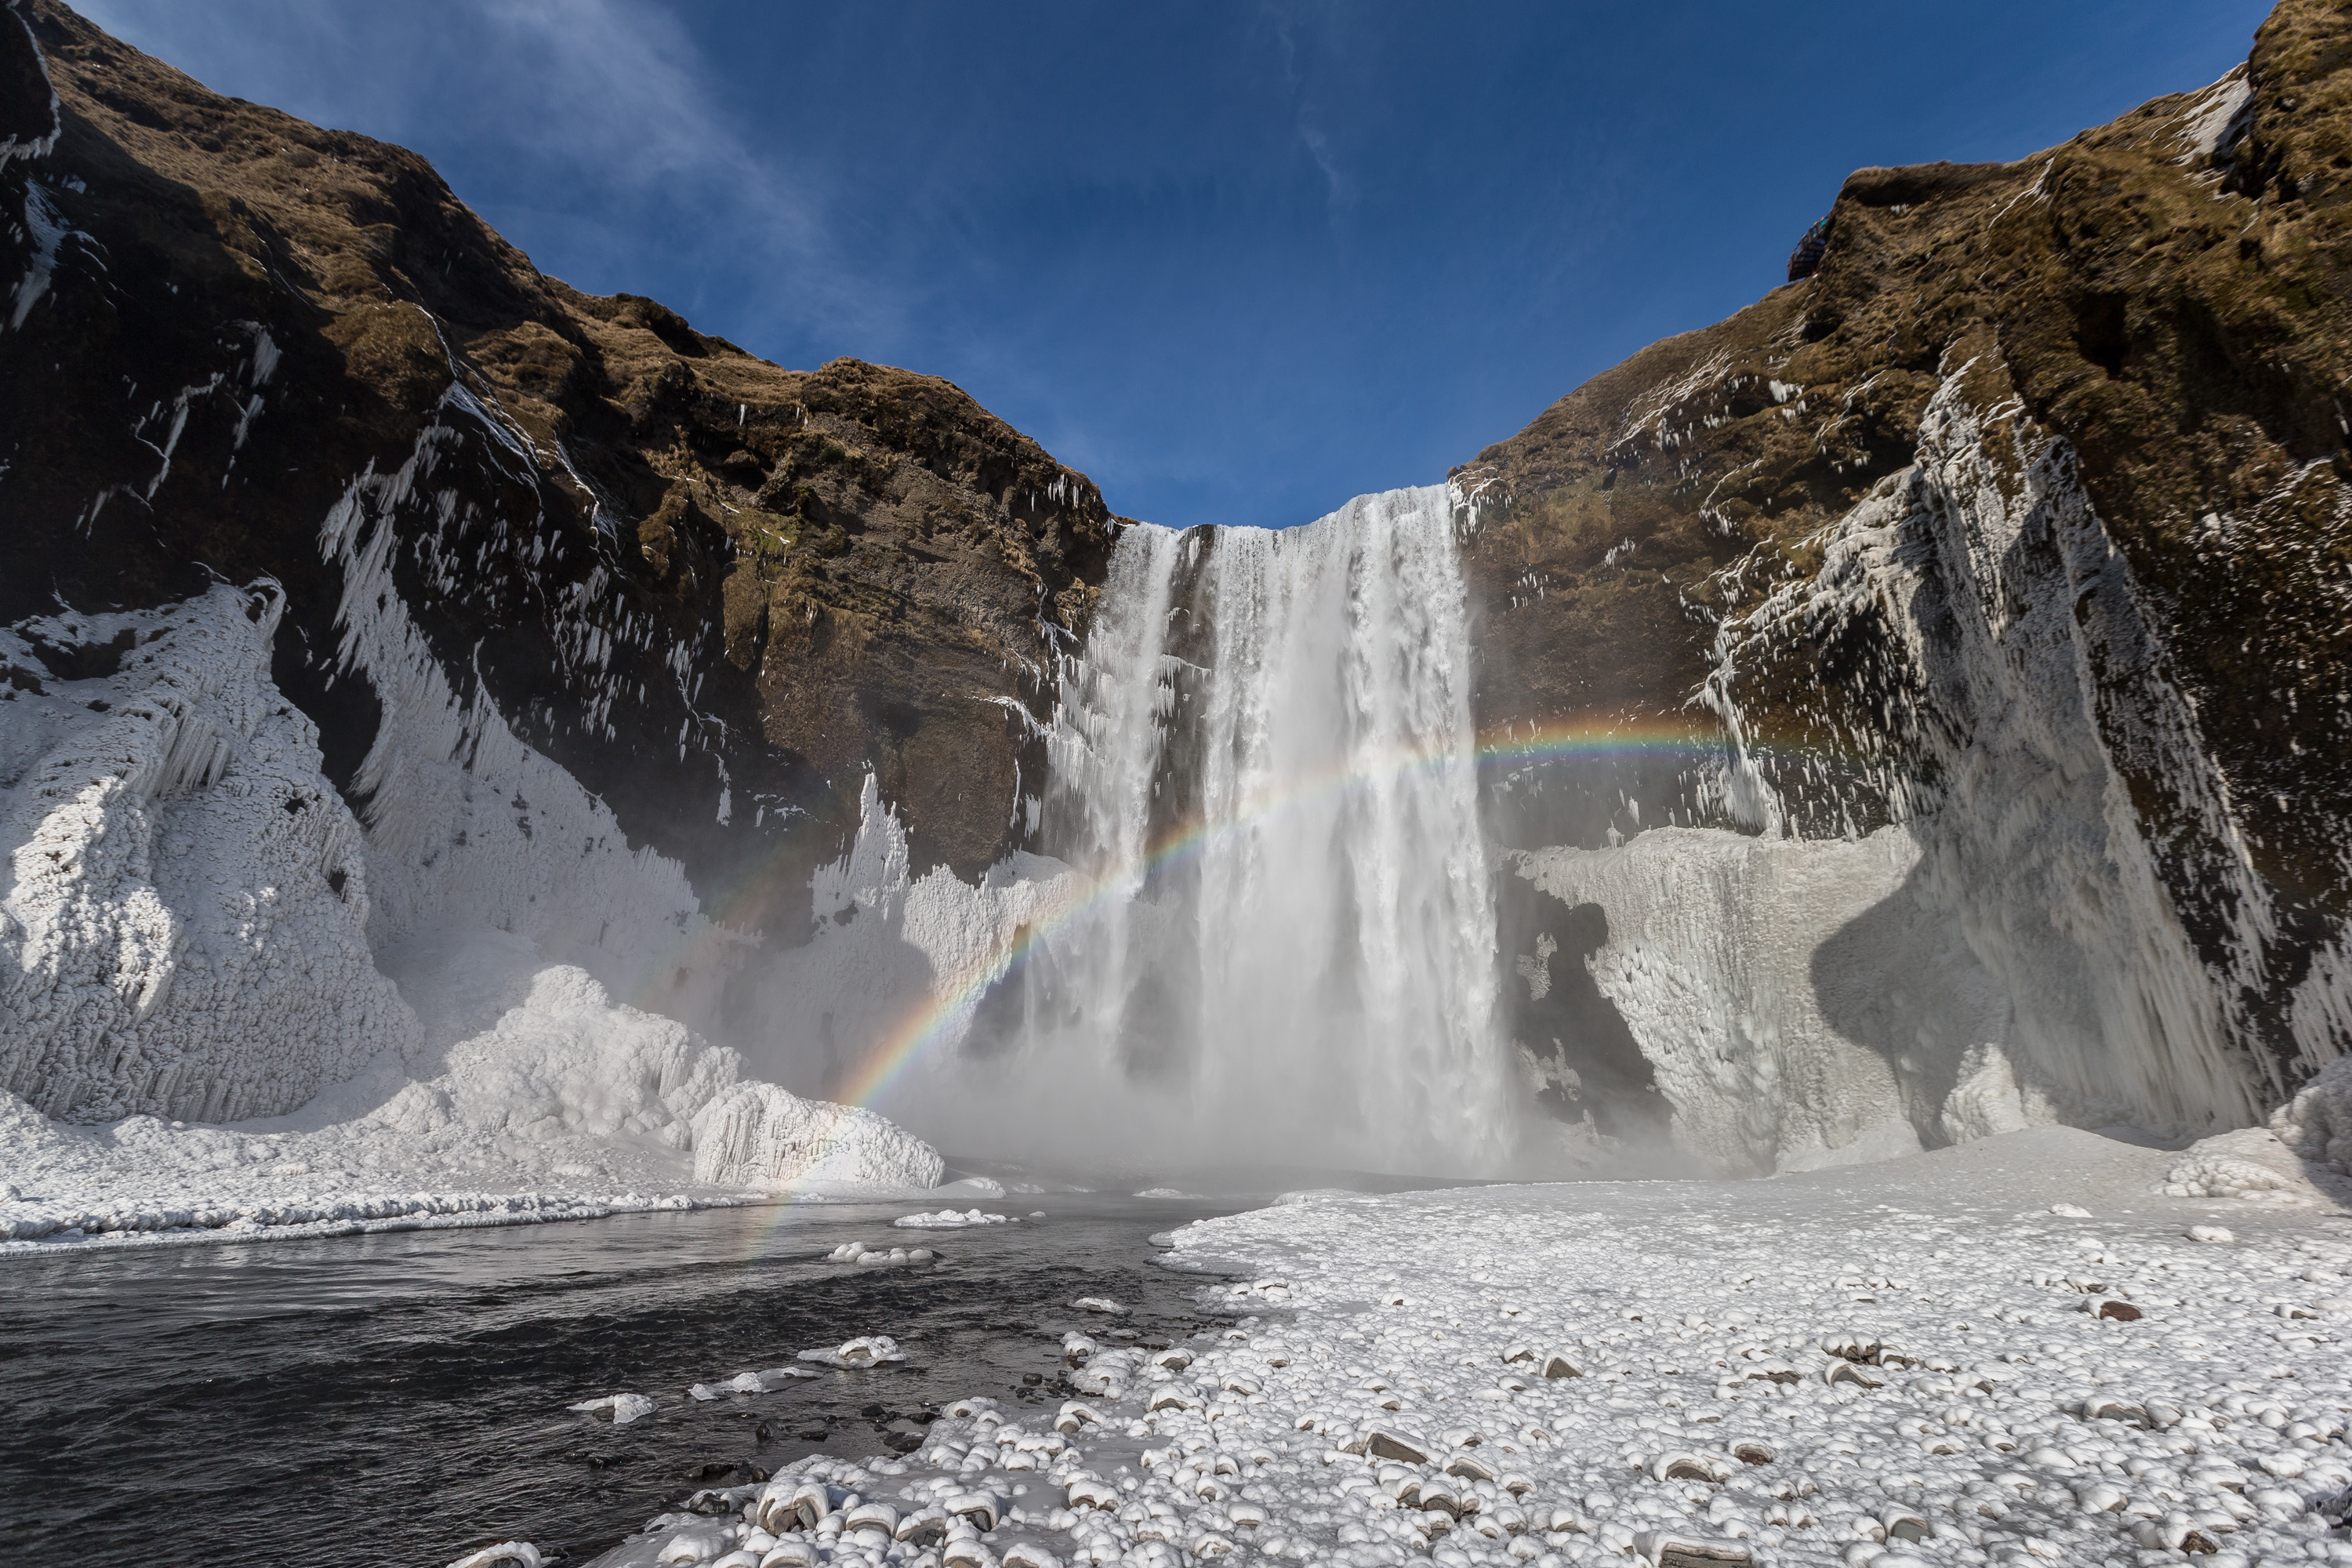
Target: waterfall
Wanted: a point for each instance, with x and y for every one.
(1263, 762)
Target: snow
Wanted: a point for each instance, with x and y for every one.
(2205, 125)
(532, 1097)
(758, 1135)
(1905, 1362)
(185, 899)
(765, 1382)
(48, 231)
(949, 1219)
(867, 1256)
(461, 814)
(38, 146)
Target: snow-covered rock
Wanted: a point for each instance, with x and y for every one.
(756, 1135)
(183, 898)
(2317, 1122)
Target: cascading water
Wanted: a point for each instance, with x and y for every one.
(1263, 762)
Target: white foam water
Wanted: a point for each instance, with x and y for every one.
(1264, 759)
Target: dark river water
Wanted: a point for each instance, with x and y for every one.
(399, 1399)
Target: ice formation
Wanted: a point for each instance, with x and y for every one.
(533, 1096)
(461, 816)
(765, 1382)
(756, 1135)
(625, 1407)
(866, 1352)
(2015, 1352)
(183, 919)
(193, 932)
(1799, 1007)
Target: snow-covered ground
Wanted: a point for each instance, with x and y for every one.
(2023, 1349)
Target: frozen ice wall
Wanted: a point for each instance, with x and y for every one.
(185, 899)
(1268, 930)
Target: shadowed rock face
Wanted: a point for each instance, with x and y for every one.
(2155, 314)
(683, 573)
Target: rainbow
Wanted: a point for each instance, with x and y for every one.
(926, 1024)
(937, 1019)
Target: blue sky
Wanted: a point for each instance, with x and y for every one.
(1237, 261)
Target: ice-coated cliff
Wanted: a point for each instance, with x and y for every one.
(2006, 952)
(1971, 617)
(183, 924)
(186, 923)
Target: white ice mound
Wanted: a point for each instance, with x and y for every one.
(543, 1054)
(2317, 1122)
(2252, 1162)
(625, 1407)
(865, 1351)
(947, 1219)
(183, 896)
(568, 1059)
(756, 1135)
(766, 1382)
(867, 1256)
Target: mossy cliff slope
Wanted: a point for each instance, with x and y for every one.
(2036, 492)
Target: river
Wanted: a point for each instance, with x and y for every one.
(400, 1398)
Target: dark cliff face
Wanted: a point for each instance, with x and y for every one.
(683, 573)
(2158, 312)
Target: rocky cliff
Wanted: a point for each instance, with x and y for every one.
(1913, 708)
(2021, 525)
(535, 568)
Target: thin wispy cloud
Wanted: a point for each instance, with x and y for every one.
(600, 121)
